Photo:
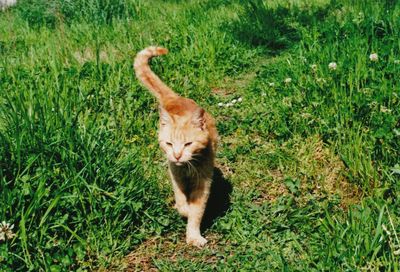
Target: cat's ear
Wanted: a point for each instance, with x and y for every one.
(198, 119)
(165, 118)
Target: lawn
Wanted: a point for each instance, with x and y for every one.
(307, 99)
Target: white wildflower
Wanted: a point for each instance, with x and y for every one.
(263, 94)
(373, 105)
(306, 115)
(373, 57)
(288, 80)
(384, 109)
(271, 84)
(314, 67)
(228, 104)
(6, 231)
(220, 104)
(234, 101)
(332, 66)
(240, 99)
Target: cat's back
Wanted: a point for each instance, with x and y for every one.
(212, 130)
(180, 106)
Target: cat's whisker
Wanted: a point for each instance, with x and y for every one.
(193, 169)
(196, 158)
(189, 167)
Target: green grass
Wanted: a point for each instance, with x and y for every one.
(314, 163)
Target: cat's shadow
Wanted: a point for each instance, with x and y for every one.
(219, 200)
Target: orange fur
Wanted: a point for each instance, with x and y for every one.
(188, 137)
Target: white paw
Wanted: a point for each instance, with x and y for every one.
(198, 241)
(182, 209)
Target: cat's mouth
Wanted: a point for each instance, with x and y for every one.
(180, 163)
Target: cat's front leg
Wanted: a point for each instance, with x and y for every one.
(181, 203)
(197, 203)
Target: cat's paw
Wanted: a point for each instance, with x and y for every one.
(198, 241)
(182, 209)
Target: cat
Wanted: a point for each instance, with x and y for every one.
(188, 137)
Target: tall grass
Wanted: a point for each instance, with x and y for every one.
(84, 182)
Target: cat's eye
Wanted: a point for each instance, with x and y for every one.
(189, 143)
(168, 143)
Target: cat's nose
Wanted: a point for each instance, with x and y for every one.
(177, 155)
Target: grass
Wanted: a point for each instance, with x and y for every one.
(313, 163)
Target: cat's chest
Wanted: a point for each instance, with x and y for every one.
(185, 174)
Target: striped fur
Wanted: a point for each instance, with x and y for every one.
(188, 137)
(148, 78)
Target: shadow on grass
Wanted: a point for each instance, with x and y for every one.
(276, 28)
(219, 200)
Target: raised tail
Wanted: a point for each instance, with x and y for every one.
(148, 77)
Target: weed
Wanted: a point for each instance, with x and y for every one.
(308, 167)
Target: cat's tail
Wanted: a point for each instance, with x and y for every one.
(148, 77)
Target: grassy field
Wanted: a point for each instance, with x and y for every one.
(309, 160)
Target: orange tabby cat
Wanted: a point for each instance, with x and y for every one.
(188, 137)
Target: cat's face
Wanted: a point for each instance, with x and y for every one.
(182, 138)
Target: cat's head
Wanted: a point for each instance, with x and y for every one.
(183, 137)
